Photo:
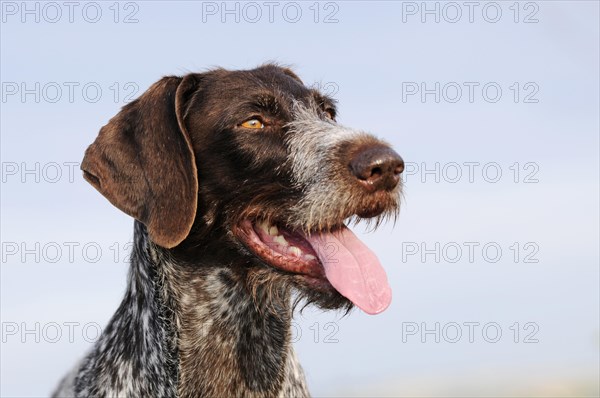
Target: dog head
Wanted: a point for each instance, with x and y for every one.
(251, 168)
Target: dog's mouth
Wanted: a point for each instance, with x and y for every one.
(334, 259)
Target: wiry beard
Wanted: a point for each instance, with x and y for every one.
(274, 292)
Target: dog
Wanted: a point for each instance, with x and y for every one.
(241, 184)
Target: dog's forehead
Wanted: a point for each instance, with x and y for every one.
(225, 97)
(270, 80)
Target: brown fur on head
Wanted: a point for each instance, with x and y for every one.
(182, 160)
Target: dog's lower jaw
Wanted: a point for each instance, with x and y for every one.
(187, 330)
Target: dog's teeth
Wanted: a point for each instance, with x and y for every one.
(295, 251)
(309, 257)
(281, 240)
(264, 226)
(273, 231)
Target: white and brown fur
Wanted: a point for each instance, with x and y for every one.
(202, 314)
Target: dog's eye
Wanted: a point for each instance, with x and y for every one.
(253, 124)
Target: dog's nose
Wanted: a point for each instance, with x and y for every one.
(377, 168)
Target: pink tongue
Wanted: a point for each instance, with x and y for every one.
(353, 269)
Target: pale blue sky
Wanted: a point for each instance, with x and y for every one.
(367, 58)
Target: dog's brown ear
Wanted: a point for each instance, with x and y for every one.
(143, 163)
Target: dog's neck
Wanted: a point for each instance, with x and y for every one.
(193, 330)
